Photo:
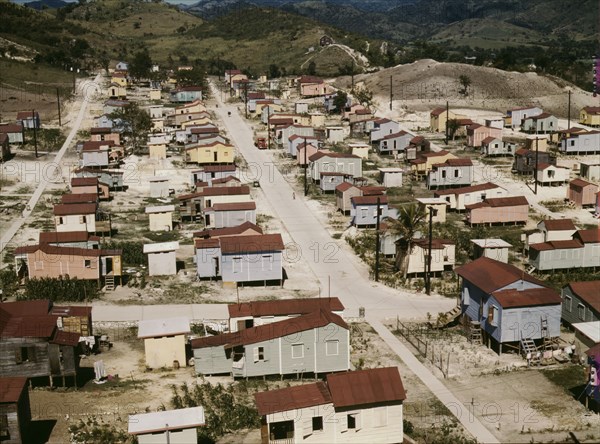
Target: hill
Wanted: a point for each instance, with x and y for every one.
(425, 84)
(46, 4)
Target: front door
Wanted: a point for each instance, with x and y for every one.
(215, 261)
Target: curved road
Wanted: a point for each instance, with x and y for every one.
(349, 281)
(84, 90)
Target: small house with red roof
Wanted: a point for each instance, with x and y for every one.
(313, 343)
(450, 173)
(383, 127)
(507, 305)
(550, 175)
(29, 119)
(331, 162)
(581, 302)
(437, 119)
(582, 193)
(15, 410)
(364, 210)
(551, 230)
(494, 146)
(590, 116)
(232, 214)
(477, 133)
(581, 143)
(514, 117)
(344, 193)
(541, 124)
(582, 250)
(394, 143)
(443, 256)
(14, 131)
(498, 210)
(241, 259)
(458, 198)
(525, 160)
(359, 406)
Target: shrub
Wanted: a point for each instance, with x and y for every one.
(62, 289)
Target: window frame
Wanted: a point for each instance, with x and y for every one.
(337, 347)
(295, 347)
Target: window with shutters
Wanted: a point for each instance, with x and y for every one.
(354, 421)
(297, 351)
(82, 219)
(568, 303)
(317, 424)
(87, 263)
(581, 311)
(492, 315)
(466, 296)
(259, 354)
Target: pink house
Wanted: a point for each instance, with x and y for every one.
(310, 150)
(476, 133)
(311, 86)
(102, 134)
(512, 210)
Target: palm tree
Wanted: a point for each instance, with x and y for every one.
(410, 220)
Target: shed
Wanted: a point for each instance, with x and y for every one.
(581, 302)
(493, 248)
(161, 258)
(164, 341)
(168, 427)
(582, 193)
(390, 177)
(439, 205)
(587, 335)
(160, 217)
(159, 186)
(15, 411)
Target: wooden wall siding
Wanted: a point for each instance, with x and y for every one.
(490, 215)
(43, 358)
(266, 266)
(571, 311)
(212, 361)
(41, 264)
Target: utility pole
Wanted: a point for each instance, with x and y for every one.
(569, 112)
(58, 104)
(352, 74)
(536, 166)
(34, 123)
(268, 127)
(391, 93)
(305, 169)
(428, 263)
(447, 115)
(246, 99)
(377, 241)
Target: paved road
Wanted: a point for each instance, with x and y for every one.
(45, 174)
(324, 255)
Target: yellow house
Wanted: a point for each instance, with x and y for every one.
(188, 117)
(213, 153)
(590, 115)
(437, 119)
(317, 120)
(189, 108)
(161, 217)
(275, 108)
(196, 122)
(116, 91)
(423, 165)
(119, 78)
(155, 94)
(157, 150)
(164, 341)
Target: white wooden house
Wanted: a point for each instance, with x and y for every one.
(161, 258)
(168, 426)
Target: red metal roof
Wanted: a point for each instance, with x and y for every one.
(488, 140)
(212, 341)
(527, 298)
(556, 245)
(253, 243)
(321, 154)
(230, 231)
(393, 136)
(437, 111)
(218, 168)
(580, 183)
(24, 115)
(498, 202)
(436, 244)
(292, 398)
(454, 163)
(65, 338)
(344, 186)
(78, 198)
(592, 109)
(94, 145)
(66, 251)
(369, 200)
(589, 292)
(491, 275)
(234, 206)
(11, 389)
(464, 190)
(203, 244)
(558, 224)
(282, 307)
(71, 209)
(590, 236)
(364, 387)
(55, 237)
(9, 128)
(83, 181)
(224, 191)
(372, 190)
(286, 327)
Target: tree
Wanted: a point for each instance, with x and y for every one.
(410, 220)
(135, 124)
(453, 126)
(339, 101)
(465, 83)
(191, 77)
(364, 96)
(312, 68)
(274, 71)
(141, 65)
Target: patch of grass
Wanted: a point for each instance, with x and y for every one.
(555, 206)
(571, 378)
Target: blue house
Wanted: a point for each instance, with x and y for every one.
(508, 305)
(186, 94)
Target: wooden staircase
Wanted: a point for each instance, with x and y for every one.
(109, 282)
(530, 351)
(474, 332)
(530, 270)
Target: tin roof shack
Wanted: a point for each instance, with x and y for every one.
(314, 343)
(458, 198)
(587, 336)
(394, 143)
(45, 261)
(32, 345)
(112, 178)
(328, 181)
(246, 228)
(96, 154)
(390, 177)
(186, 94)
(495, 146)
(437, 119)
(213, 153)
(168, 427)
(450, 173)
(540, 124)
(209, 172)
(333, 162)
(255, 313)
(496, 249)
(15, 410)
(305, 151)
(226, 215)
(29, 119)
(552, 230)
(525, 160)
(439, 205)
(498, 210)
(425, 161)
(159, 186)
(547, 174)
(581, 251)
(477, 133)
(582, 193)
(359, 406)
(13, 131)
(81, 217)
(164, 341)
(443, 256)
(590, 170)
(241, 259)
(295, 140)
(383, 127)
(78, 239)
(514, 117)
(507, 304)
(343, 195)
(364, 210)
(582, 143)
(160, 218)
(581, 302)
(162, 259)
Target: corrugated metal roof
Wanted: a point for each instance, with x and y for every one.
(79, 198)
(54, 237)
(230, 231)
(589, 292)
(369, 200)
(65, 338)
(251, 243)
(292, 398)
(582, 183)
(490, 275)
(144, 423)
(234, 206)
(161, 247)
(556, 245)
(365, 387)
(590, 236)
(589, 329)
(282, 307)
(152, 328)
(74, 209)
(527, 298)
(558, 224)
(11, 389)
